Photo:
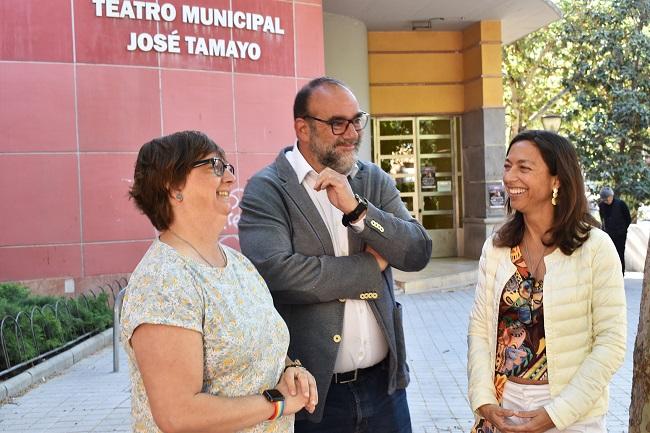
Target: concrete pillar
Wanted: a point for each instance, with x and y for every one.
(483, 132)
(483, 156)
(346, 59)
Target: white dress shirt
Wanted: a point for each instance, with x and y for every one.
(362, 342)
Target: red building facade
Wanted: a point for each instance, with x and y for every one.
(84, 83)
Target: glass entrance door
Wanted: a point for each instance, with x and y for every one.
(422, 154)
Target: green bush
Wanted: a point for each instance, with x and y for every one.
(57, 320)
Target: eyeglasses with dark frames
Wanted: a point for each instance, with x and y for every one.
(218, 166)
(340, 125)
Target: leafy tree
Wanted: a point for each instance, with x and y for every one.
(592, 67)
(610, 86)
(533, 69)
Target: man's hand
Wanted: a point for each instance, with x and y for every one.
(383, 264)
(339, 191)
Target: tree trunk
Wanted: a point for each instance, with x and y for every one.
(640, 406)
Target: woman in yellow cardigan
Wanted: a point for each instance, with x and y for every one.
(547, 329)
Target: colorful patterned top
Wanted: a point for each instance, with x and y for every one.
(245, 340)
(521, 346)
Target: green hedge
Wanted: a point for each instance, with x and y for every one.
(76, 317)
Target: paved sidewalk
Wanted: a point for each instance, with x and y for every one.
(90, 398)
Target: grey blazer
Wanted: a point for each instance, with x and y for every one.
(282, 233)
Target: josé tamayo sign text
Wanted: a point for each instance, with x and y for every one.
(173, 42)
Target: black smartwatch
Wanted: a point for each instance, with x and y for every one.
(356, 213)
(273, 395)
(276, 398)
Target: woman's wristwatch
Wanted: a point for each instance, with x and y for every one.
(274, 396)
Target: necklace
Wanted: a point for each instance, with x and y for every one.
(533, 270)
(197, 251)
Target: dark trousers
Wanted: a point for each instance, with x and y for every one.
(619, 243)
(362, 406)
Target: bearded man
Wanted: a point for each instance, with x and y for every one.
(324, 230)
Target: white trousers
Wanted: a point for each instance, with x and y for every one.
(530, 397)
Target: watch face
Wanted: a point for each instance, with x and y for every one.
(273, 395)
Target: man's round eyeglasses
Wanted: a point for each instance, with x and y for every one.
(340, 125)
(218, 166)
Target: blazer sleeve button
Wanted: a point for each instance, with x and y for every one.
(336, 338)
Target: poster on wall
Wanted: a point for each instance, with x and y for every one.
(496, 195)
(428, 177)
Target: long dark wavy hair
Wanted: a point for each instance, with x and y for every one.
(571, 219)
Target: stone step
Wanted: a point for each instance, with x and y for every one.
(439, 274)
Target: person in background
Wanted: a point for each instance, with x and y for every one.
(324, 229)
(547, 329)
(206, 348)
(615, 218)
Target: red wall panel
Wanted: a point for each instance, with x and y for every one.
(37, 108)
(33, 262)
(103, 39)
(40, 197)
(112, 258)
(76, 106)
(276, 54)
(36, 30)
(119, 107)
(107, 212)
(184, 60)
(310, 58)
(199, 100)
(266, 103)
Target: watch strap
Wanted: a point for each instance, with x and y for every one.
(356, 212)
(279, 409)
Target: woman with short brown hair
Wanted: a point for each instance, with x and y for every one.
(206, 348)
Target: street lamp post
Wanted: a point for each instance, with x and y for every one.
(552, 122)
